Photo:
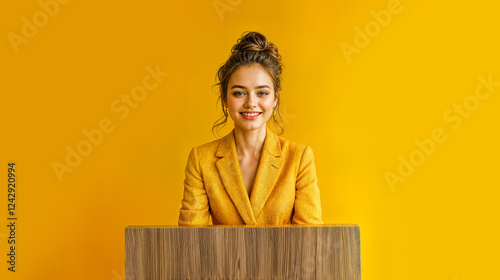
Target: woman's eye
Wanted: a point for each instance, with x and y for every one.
(239, 93)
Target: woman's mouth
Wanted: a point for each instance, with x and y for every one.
(251, 116)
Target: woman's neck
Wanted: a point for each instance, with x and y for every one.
(249, 143)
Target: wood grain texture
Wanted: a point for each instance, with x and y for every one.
(243, 252)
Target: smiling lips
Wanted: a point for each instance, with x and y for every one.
(251, 115)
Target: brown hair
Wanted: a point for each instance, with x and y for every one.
(251, 48)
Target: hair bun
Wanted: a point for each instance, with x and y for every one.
(251, 41)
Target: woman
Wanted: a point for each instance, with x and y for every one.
(251, 176)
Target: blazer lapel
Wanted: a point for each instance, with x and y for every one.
(230, 174)
(267, 173)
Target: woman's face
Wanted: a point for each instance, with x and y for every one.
(250, 89)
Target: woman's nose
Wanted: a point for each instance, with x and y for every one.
(251, 101)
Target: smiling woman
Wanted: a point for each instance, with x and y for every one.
(251, 175)
(250, 97)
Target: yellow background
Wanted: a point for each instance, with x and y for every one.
(359, 117)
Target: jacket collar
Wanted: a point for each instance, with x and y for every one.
(267, 173)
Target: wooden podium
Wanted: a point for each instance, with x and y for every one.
(242, 252)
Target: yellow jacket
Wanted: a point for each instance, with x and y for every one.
(285, 189)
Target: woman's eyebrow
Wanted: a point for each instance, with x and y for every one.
(240, 86)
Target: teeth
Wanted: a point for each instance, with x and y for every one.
(250, 115)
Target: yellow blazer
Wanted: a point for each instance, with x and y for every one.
(285, 189)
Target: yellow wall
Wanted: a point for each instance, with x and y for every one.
(361, 101)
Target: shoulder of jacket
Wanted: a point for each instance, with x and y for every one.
(207, 148)
(292, 146)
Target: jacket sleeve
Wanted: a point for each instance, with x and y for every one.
(307, 208)
(194, 206)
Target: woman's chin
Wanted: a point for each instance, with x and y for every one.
(249, 127)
